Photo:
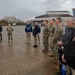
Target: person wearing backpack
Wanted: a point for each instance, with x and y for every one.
(9, 33)
(66, 38)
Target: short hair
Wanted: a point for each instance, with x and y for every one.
(28, 21)
(53, 20)
(46, 21)
(71, 19)
(59, 19)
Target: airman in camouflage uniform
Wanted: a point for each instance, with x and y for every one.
(57, 37)
(46, 33)
(52, 31)
(9, 33)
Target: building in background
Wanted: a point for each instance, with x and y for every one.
(53, 15)
(73, 9)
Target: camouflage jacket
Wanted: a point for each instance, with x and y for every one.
(9, 29)
(58, 33)
(52, 30)
(46, 31)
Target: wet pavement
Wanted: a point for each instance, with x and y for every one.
(20, 58)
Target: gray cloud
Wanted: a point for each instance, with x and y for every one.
(31, 8)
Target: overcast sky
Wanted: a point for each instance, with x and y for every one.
(24, 9)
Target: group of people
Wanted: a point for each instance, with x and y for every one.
(9, 33)
(55, 37)
(53, 32)
(59, 44)
(35, 31)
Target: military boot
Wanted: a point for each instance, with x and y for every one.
(53, 59)
(46, 51)
(50, 54)
(56, 67)
(43, 50)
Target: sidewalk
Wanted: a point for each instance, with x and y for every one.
(20, 58)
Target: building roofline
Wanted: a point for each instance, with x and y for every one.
(54, 15)
(57, 11)
(73, 8)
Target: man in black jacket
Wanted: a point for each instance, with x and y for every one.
(35, 34)
(0, 33)
(66, 37)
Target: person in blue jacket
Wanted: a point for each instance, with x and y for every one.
(28, 30)
(35, 34)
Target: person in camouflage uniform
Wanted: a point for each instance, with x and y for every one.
(57, 37)
(9, 33)
(46, 33)
(52, 31)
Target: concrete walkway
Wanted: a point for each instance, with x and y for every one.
(20, 58)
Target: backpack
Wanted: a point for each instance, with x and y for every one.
(70, 52)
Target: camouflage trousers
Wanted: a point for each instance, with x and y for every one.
(46, 43)
(10, 36)
(51, 45)
(56, 50)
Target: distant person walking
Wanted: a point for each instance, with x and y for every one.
(1, 33)
(9, 33)
(28, 30)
